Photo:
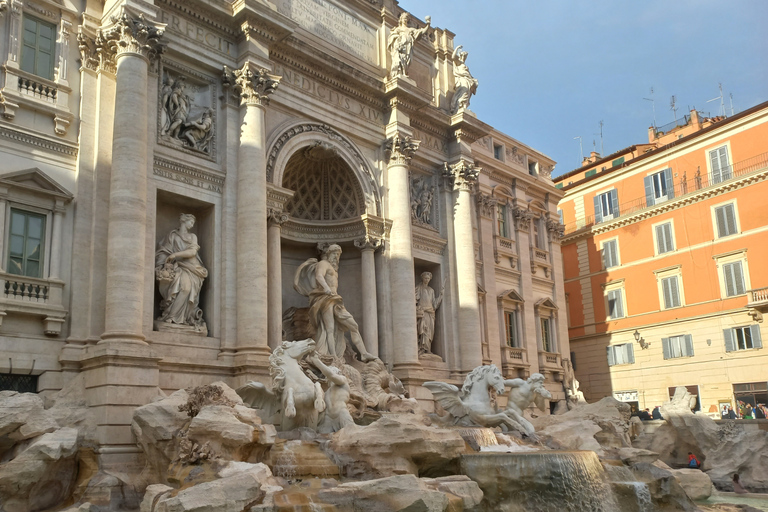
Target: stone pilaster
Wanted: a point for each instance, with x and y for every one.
(276, 217)
(368, 245)
(463, 175)
(253, 85)
(401, 149)
(133, 41)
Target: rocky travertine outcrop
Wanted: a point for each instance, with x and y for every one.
(696, 483)
(394, 445)
(394, 493)
(666, 492)
(597, 427)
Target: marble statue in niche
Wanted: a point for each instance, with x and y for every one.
(426, 306)
(465, 85)
(184, 121)
(180, 274)
(319, 281)
(400, 44)
(422, 197)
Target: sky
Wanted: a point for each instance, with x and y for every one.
(551, 70)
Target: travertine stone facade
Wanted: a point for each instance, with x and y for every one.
(281, 128)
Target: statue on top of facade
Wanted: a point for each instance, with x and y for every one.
(426, 306)
(319, 280)
(465, 84)
(400, 44)
(180, 274)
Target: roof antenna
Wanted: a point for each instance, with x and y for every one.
(601, 138)
(653, 103)
(722, 104)
(673, 106)
(731, 95)
(581, 149)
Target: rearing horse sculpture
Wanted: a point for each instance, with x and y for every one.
(471, 406)
(293, 395)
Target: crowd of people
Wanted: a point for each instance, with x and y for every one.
(744, 411)
(646, 414)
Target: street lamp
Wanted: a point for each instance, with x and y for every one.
(641, 341)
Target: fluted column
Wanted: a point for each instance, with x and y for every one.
(253, 85)
(368, 246)
(276, 218)
(135, 42)
(463, 175)
(401, 150)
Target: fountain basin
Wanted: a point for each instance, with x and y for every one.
(540, 481)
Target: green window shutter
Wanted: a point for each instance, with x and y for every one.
(589, 173)
(618, 161)
(757, 341)
(559, 185)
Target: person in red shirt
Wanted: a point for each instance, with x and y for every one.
(693, 462)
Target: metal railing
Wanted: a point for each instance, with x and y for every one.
(685, 185)
(661, 130)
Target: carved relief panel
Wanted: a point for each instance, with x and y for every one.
(186, 113)
(423, 198)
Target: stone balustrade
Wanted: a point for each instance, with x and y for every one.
(34, 296)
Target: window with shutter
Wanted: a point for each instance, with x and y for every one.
(501, 220)
(733, 277)
(742, 338)
(725, 217)
(510, 327)
(621, 354)
(615, 306)
(671, 292)
(718, 159)
(664, 240)
(610, 254)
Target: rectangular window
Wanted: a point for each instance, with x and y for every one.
(501, 220)
(559, 185)
(621, 354)
(659, 187)
(742, 338)
(671, 291)
(677, 346)
(532, 168)
(498, 151)
(546, 335)
(733, 276)
(610, 254)
(606, 206)
(664, 240)
(589, 173)
(615, 304)
(539, 233)
(725, 217)
(718, 159)
(25, 243)
(560, 215)
(618, 161)
(510, 329)
(38, 49)
(18, 383)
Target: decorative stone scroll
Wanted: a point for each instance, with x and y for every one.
(368, 242)
(401, 148)
(462, 175)
(422, 197)
(555, 229)
(186, 113)
(522, 218)
(134, 35)
(252, 84)
(276, 217)
(486, 204)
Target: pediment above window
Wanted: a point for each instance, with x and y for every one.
(35, 186)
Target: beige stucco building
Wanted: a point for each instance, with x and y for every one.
(279, 126)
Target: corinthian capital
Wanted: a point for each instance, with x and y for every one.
(462, 175)
(556, 230)
(368, 242)
(129, 35)
(276, 217)
(401, 148)
(252, 84)
(523, 218)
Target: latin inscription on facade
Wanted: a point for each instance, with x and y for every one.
(334, 24)
(196, 32)
(429, 141)
(326, 94)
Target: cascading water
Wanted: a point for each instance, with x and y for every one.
(285, 465)
(643, 493)
(540, 481)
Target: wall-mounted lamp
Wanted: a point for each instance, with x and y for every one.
(641, 341)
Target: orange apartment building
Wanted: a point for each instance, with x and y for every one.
(666, 264)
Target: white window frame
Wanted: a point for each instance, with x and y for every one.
(663, 192)
(731, 257)
(677, 346)
(545, 309)
(603, 243)
(601, 198)
(627, 351)
(737, 224)
(654, 227)
(729, 155)
(608, 289)
(731, 338)
(667, 273)
(511, 301)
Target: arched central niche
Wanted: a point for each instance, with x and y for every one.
(325, 187)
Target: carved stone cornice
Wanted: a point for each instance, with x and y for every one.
(368, 243)
(486, 204)
(134, 36)
(461, 175)
(401, 148)
(523, 218)
(14, 5)
(251, 83)
(467, 128)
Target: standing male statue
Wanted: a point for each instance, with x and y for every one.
(319, 280)
(400, 44)
(426, 305)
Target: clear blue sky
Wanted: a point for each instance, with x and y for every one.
(550, 70)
